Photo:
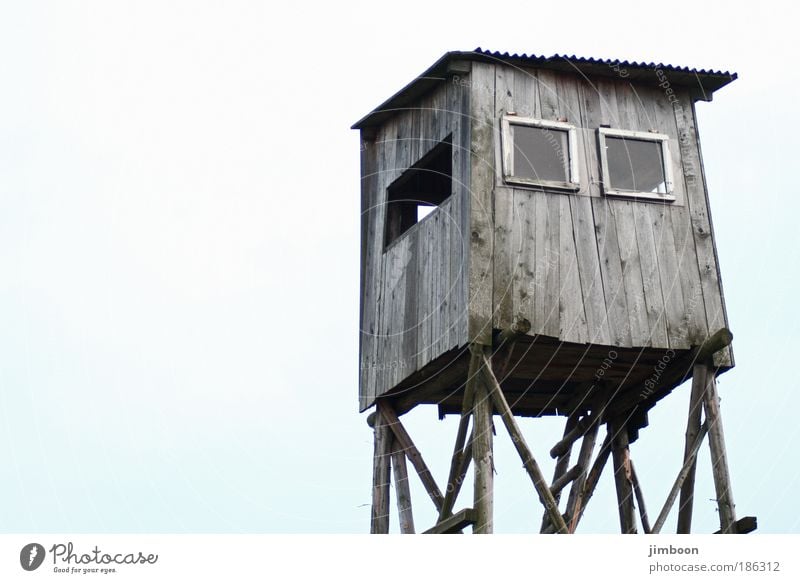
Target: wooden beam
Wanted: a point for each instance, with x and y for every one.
(385, 410)
(584, 458)
(510, 335)
(688, 464)
(381, 475)
(482, 452)
(453, 524)
(622, 475)
(404, 510)
(699, 381)
(534, 472)
(562, 465)
(564, 479)
(719, 459)
(637, 490)
(592, 480)
(563, 446)
(713, 344)
(744, 525)
(456, 461)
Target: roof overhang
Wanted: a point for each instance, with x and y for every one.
(701, 83)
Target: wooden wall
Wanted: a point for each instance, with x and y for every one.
(413, 294)
(587, 268)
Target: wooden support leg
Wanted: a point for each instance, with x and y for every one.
(381, 476)
(482, 453)
(454, 478)
(528, 461)
(699, 380)
(592, 478)
(688, 464)
(386, 412)
(719, 458)
(562, 465)
(622, 476)
(637, 490)
(401, 487)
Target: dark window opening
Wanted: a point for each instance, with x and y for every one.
(419, 190)
(636, 165)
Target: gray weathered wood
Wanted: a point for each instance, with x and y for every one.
(637, 490)
(719, 458)
(381, 476)
(482, 452)
(699, 381)
(454, 523)
(411, 451)
(589, 486)
(622, 476)
(404, 509)
(534, 472)
(688, 464)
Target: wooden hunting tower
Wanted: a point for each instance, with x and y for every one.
(536, 239)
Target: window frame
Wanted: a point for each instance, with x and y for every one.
(669, 180)
(572, 185)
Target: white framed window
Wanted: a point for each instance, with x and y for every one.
(539, 152)
(636, 164)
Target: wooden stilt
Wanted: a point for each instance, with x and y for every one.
(534, 472)
(719, 458)
(592, 479)
(637, 490)
(561, 467)
(381, 476)
(452, 493)
(385, 410)
(482, 453)
(404, 510)
(699, 381)
(584, 457)
(688, 464)
(456, 461)
(622, 476)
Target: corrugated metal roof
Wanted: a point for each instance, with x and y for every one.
(701, 82)
(578, 61)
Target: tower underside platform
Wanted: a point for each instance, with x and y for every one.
(544, 376)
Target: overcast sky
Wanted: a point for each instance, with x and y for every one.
(179, 210)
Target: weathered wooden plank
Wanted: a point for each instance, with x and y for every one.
(670, 276)
(572, 314)
(697, 202)
(744, 525)
(526, 93)
(454, 523)
(589, 269)
(404, 509)
(481, 231)
(620, 289)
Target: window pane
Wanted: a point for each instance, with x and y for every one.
(635, 165)
(540, 153)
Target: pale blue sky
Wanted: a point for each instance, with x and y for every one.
(179, 256)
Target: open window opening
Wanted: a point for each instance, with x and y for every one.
(419, 190)
(539, 153)
(636, 164)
